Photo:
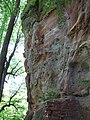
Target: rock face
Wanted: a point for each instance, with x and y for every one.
(59, 109)
(57, 55)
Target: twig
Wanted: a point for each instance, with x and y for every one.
(14, 73)
(10, 100)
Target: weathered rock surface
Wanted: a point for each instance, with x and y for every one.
(57, 55)
(85, 104)
(59, 109)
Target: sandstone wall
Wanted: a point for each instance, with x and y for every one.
(57, 55)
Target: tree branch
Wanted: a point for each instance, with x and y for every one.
(10, 101)
(10, 58)
(6, 44)
(7, 105)
(14, 73)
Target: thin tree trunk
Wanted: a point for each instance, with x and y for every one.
(6, 44)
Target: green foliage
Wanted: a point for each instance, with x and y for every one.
(16, 112)
(3, 22)
(6, 9)
(12, 114)
(49, 5)
(85, 81)
(58, 4)
(32, 2)
(50, 95)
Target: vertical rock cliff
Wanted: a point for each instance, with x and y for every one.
(57, 60)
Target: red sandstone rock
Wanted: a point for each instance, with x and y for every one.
(59, 58)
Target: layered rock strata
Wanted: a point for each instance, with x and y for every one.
(57, 55)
